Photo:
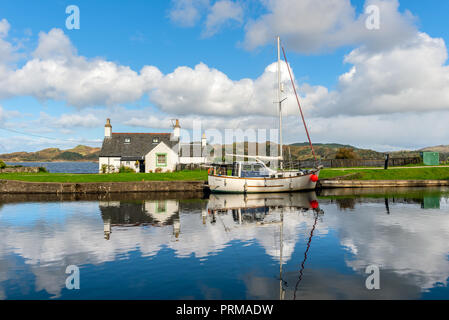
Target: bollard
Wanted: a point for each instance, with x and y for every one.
(387, 157)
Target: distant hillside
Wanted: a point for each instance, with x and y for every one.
(79, 153)
(301, 151)
(441, 149)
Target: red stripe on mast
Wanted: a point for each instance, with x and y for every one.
(299, 105)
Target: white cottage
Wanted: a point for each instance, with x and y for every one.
(148, 152)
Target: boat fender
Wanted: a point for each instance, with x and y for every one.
(314, 204)
(314, 178)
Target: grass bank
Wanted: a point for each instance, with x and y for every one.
(194, 175)
(390, 174)
(197, 175)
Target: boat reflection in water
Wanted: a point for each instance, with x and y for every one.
(261, 208)
(269, 209)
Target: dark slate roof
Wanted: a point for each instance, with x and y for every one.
(139, 146)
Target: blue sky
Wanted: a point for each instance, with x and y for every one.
(355, 84)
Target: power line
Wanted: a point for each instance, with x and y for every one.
(48, 138)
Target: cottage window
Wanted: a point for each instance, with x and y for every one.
(155, 140)
(161, 206)
(127, 140)
(161, 160)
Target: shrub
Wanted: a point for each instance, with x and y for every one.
(2, 164)
(107, 168)
(43, 169)
(346, 153)
(158, 170)
(124, 169)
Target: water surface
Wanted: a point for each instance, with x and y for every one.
(180, 246)
(62, 167)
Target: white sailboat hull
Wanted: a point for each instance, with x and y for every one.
(273, 201)
(287, 183)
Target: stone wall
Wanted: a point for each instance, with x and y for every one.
(333, 183)
(18, 187)
(20, 170)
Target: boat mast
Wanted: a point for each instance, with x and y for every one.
(279, 99)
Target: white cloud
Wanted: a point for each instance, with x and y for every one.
(311, 26)
(410, 77)
(78, 120)
(380, 132)
(220, 14)
(4, 28)
(57, 73)
(187, 13)
(7, 50)
(2, 115)
(207, 91)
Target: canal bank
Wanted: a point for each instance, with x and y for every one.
(25, 187)
(335, 183)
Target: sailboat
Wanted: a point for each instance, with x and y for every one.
(256, 176)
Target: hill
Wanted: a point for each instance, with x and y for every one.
(441, 149)
(301, 151)
(79, 153)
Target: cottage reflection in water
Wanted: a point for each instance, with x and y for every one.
(156, 213)
(254, 209)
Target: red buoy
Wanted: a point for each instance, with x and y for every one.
(314, 178)
(314, 204)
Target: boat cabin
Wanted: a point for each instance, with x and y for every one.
(242, 170)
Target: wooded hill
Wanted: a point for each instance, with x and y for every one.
(79, 153)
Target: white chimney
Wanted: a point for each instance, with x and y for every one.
(108, 129)
(177, 130)
(203, 140)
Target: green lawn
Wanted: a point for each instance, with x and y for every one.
(390, 174)
(354, 174)
(114, 177)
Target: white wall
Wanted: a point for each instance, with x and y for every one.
(150, 158)
(196, 160)
(130, 164)
(112, 162)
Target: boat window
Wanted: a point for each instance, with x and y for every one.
(254, 170)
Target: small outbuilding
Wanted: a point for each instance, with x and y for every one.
(431, 158)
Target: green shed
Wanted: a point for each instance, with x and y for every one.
(431, 158)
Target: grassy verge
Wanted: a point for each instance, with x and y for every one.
(352, 174)
(115, 177)
(390, 174)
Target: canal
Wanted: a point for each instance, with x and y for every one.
(184, 246)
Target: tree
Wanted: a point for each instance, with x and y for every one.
(346, 153)
(2, 164)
